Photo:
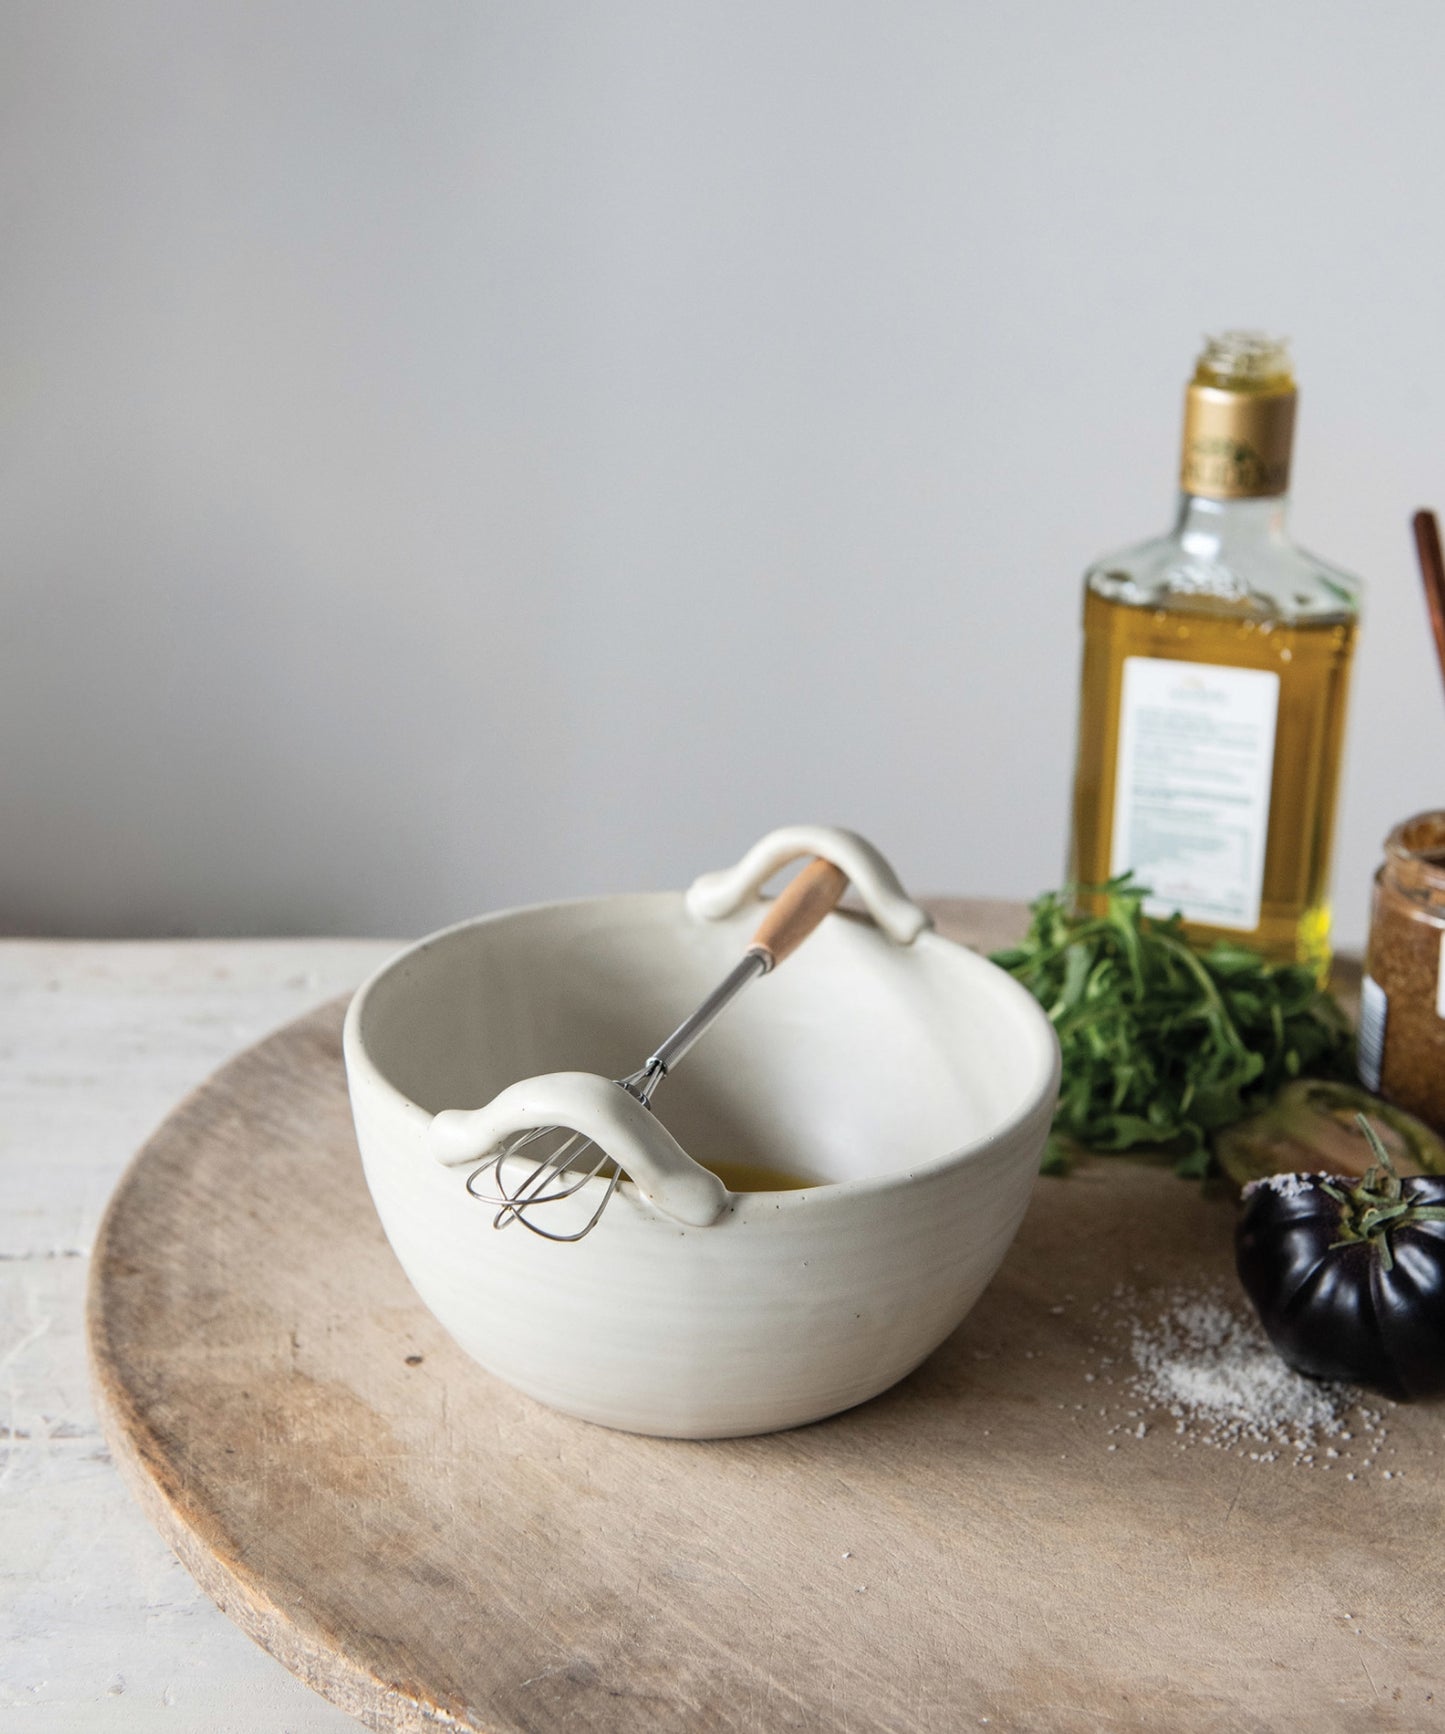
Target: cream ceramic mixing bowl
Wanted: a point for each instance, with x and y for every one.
(913, 1083)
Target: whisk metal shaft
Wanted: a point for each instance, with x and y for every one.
(748, 967)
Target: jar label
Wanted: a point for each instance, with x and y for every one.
(1370, 1037)
(1192, 785)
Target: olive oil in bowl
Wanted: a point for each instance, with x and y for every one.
(744, 1176)
(754, 1177)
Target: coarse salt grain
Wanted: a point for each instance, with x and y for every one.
(1286, 1185)
(1210, 1368)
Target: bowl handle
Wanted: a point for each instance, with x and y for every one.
(717, 894)
(614, 1120)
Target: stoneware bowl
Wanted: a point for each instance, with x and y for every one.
(913, 1084)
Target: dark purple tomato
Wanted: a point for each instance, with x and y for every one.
(1348, 1277)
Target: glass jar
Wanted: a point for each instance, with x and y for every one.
(1402, 1000)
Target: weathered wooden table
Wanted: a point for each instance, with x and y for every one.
(964, 1551)
(100, 1627)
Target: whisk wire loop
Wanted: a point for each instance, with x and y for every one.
(572, 1161)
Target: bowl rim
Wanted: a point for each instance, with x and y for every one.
(1045, 1046)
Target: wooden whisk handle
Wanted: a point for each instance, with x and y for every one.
(792, 916)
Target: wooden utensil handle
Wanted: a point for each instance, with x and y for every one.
(1432, 570)
(792, 916)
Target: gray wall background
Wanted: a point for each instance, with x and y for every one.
(460, 453)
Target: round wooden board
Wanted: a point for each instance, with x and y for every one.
(429, 1549)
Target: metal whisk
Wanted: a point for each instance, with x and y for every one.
(559, 1162)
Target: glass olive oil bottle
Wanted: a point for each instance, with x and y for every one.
(1216, 670)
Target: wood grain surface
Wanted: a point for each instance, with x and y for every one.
(101, 1630)
(981, 1546)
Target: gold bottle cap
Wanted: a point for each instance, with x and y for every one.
(1239, 418)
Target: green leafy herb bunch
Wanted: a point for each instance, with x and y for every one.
(1163, 1045)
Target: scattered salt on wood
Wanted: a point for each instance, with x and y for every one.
(1206, 1364)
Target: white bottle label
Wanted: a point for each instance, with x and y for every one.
(1191, 796)
(1370, 1037)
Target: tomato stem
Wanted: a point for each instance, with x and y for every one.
(1375, 1204)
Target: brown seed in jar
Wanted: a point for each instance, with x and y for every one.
(1406, 934)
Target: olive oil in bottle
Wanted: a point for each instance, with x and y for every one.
(1216, 670)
